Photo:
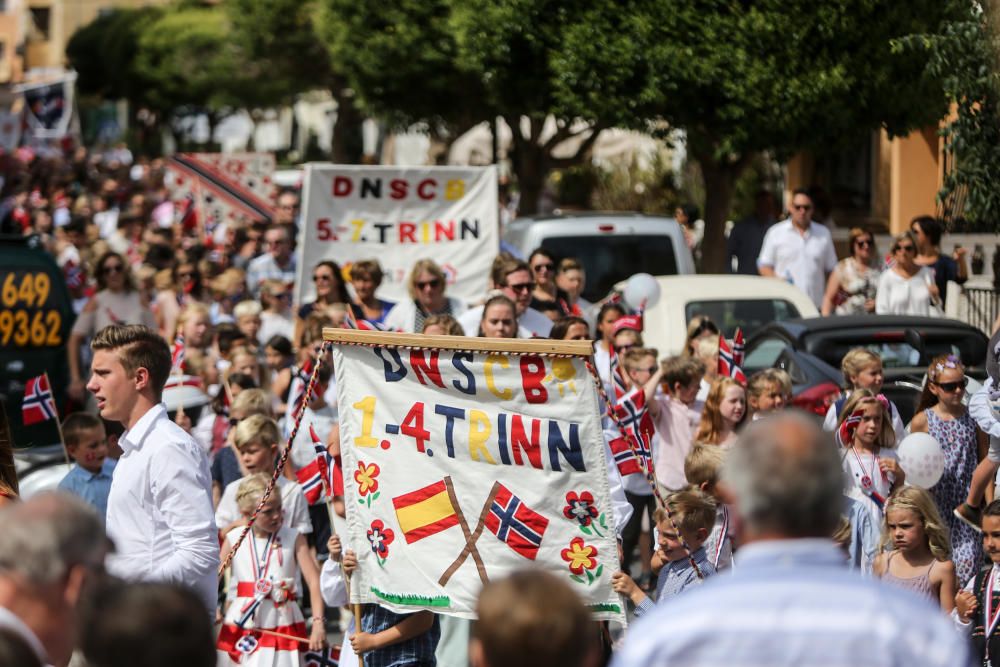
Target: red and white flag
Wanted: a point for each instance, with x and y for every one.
(38, 405)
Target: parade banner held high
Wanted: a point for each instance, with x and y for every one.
(466, 459)
(397, 216)
(209, 189)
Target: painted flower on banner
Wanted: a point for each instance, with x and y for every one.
(580, 507)
(582, 559)
(367, 478)
(380, 538)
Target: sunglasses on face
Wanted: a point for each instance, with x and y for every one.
(802, 207)
(433, 284)
(522, 287)
(864, 243)
(547, 267)
(321, 277)
(952, 387)
(905, 248)
(112, 268)
(624, 348)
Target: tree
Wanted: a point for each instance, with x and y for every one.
(743, 77)
(964, 57)
(280, 39)
(401, 58)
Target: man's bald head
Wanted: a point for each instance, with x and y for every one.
(786, 477)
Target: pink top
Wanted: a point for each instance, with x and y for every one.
(675, 427)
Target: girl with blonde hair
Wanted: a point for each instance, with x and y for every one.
(862, 369)
(920, 557)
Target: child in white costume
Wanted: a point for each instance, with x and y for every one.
(983, 406)
(334, 589)
(265, 569)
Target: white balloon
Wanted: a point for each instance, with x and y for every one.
(641, 291)
(922, 459)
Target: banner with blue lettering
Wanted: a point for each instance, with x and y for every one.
(397, 216)
(462, 466)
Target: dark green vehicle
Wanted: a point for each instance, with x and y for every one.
(36, 316)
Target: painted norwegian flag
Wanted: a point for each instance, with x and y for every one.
(727, 364)
(515, 524)
(38, 405)
(624, 457)
(325, 657)
(177, 356)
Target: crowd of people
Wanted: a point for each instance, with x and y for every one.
(773, 511)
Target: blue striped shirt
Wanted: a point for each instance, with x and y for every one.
(676, 577)
(417, 651)
(794, 602)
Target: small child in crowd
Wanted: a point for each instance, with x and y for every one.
(862, 369)
(677, 414)
(694, 516)
(265, 569)
(333, 587)
(919, 560)
(768, 390)
(972, 600)
(256, 439)
(702, 468)
(725, 411)
(87, 445)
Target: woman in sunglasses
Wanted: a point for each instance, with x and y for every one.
(851, 287)
(906, 288)
(427, 285)
(117, 302)
(330, 289)
(942, 413)
(546, 297)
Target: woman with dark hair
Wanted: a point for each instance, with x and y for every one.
(692, 226)
(604, 336)
(570, 328)
(330, 289)
(185, 286)
(117, 302)
(546, 297)
(366, 277)
(499, 318)
(928, 231)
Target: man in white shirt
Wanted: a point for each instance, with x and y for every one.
(160, 506)
(278, 263)
(52, 545)
(799, 250)
(514, 278)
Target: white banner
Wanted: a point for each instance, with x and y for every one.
(398, 216)
(461, 467)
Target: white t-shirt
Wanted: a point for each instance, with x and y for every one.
(804, 260)
(293, 503)
(897, 295)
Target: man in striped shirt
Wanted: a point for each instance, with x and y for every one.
(792, 600)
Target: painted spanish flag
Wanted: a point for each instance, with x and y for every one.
(425, 511)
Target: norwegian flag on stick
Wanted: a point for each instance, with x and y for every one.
(739, 349)
(727, 362)
(637, 425)
(315, 478)
(177, 356)
(38, 405)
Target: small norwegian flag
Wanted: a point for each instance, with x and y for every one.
(617, 377)
(739, 349)
(727, 363)
(624, 457)
(637, 423)
(177, 355)
(38, 405)
(316, 477)
(845, 434)
(300, 381)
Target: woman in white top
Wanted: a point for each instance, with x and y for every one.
(427, 284)
(906, 288)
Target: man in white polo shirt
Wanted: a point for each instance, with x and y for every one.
(799, 250)
(513, 277)
(160, 514)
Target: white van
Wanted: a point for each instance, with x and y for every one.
(611, 246)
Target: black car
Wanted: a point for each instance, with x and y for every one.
(811, 350)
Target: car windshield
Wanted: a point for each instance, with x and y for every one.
(749, 315)
(896, 348)
(608, 260)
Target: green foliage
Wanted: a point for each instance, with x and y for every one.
(103, 54)
(964, 57)
(400, 56)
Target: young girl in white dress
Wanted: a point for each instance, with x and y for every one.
(870, 463)
(264, 626)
